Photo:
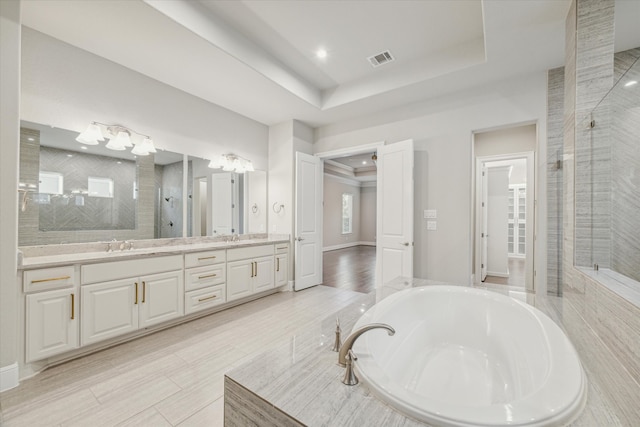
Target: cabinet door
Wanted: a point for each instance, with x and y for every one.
(282, 268)
(51, 323)
(108, 309)
(161, 298)
(263, 277)
(239, 279)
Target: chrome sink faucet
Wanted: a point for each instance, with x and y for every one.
(346, 356)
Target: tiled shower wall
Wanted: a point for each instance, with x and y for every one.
(555, 108)
(588, 78)
(168, 214)
(30, 231)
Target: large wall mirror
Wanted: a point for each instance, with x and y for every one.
(73, 193)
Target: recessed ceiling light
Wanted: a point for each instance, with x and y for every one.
(83, 147)
(321, 53)
(631, 83)
(69, 155)
(364, 162)
(119, 163)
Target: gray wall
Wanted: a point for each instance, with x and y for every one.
(333, 190)
(368, 210)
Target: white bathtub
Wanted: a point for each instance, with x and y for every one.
(470, 357)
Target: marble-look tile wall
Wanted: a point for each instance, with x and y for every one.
(83, 212)
(588, 78)
(555, 109)
(625, 166)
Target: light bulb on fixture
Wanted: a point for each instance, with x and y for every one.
(119, 142)
(91, 135)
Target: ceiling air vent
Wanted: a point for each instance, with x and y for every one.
(381, 58)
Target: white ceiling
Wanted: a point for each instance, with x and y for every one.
(256, 57)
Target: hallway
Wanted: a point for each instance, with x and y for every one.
(351, 269)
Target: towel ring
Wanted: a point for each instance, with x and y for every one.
(277, 208)
(254, 208)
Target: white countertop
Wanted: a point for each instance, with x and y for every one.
(56, 259)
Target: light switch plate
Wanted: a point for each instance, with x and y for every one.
(432, 225)
(430, 213)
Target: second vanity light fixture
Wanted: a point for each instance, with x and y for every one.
(231, 163)
(120, 138)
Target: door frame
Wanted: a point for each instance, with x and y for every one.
(530, 213)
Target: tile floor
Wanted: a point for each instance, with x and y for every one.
(170, 378)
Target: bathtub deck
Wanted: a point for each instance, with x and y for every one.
(299, 382)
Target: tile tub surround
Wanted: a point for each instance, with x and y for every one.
(299, 383)
(50, 255)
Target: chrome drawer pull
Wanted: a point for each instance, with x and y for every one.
(207, 298)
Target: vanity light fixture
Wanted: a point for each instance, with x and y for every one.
(120, 138)
(231, 163)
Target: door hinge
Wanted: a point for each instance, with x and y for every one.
(483, 204)
(482, 173)
(482, 235)
(481, 265)
(233, 181)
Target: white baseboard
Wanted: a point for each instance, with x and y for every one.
(347, 245)
(495, 273)
(9, 377)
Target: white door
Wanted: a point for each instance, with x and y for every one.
(52, 325)
(394, 249)
(308, 221)
(483, 235)
(108, 309)
(221, 204)
(162, 298)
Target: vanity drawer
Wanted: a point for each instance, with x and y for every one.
(249, 252)
(204, 258)
(282, 248)
(47, 279)
(202, 299)
(201, 277)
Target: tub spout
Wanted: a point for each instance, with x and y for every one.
(348, 343)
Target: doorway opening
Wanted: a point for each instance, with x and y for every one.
(349, 218)
(504, 207)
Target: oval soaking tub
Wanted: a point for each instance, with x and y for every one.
(469, 357)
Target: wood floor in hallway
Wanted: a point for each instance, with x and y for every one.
(352, 268)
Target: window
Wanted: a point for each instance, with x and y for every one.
(50, 183)
(347, 213)
(100, 187)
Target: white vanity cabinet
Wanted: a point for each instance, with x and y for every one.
(204, 278)
(281, 265)
(52, 315)
(249, 270)
(116, 307)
